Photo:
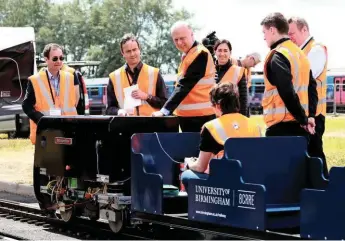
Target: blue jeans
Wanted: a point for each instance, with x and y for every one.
(189, 174)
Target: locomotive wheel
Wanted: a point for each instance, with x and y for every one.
(118, 225)
(67, 214)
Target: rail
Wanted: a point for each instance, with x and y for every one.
(83, 228)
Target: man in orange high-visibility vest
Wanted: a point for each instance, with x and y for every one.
(151, 87)
(196, 76)
(49, 92)
(286, 103)
(318, 57)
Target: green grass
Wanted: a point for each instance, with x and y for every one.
(333, 139)
(15, 144)
(17, 155)
(334, 148)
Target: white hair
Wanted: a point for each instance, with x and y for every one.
(179, 24)
(256, 56)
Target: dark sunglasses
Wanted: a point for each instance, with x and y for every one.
(54, 59)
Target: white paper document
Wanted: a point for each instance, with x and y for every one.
(130, 102)
(55, 112)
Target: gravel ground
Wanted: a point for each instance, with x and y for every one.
(29, 201)
(17, 198)
(30, 231)
(25, 230)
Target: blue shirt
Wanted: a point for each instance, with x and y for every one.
(55, 82)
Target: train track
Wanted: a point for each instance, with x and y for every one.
(80, 228)
(90, 230)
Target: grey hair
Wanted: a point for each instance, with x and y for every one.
(300, 22)
(180, 24)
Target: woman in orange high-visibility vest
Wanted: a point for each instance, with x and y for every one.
(229, 124)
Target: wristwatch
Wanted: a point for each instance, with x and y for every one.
(149, 97)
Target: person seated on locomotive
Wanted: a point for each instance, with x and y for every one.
(227, 72)
(151, 87)
(229, 124)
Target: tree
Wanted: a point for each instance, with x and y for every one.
(149, 20)
(31, 13)
(92, 29)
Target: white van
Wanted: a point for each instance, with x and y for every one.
(17, 63)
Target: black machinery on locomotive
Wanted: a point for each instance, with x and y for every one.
(82, 164)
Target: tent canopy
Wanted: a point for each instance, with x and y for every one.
(12, 36)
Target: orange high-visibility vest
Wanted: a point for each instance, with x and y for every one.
(147, 81)
(274, 109)
(321, 80)
(247, 72)
(232, 125)
(233, 75)
(197, 102)
(66, 68)
(66, 100)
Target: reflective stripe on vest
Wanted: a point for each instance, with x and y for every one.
(45, 93)
(280, 110)
(119, 88)
(220, 131)
(197, 102)
(236, 75)
(274, 109)
(233, 75)
(321, 80)
(147, 80)
(49, 99)
(195, 106)
(232, 125)
(44, 99)
(151, 82)
(206, 81)
(297, 87)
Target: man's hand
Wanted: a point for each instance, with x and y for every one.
(122, 112)
(310, 127)
(157, 114)
(138, 94)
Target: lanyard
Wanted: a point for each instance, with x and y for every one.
(130, 84)
(130, 81)
(50, 88)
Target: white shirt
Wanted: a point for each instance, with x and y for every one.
(317, 58)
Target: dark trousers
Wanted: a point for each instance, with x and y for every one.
(315, 147)
(194, 124)
(290, 128)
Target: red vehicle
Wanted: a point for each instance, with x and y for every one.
(336, 90)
